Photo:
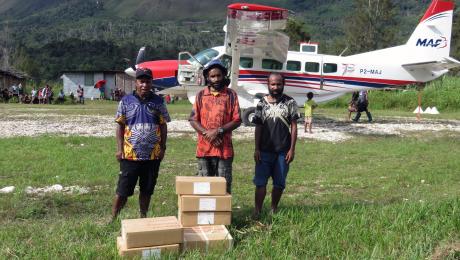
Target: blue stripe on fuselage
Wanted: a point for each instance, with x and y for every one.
(325, 81)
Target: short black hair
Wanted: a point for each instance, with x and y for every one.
(310, 95)
(276, 74)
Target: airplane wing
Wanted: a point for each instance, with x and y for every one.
(444, 64)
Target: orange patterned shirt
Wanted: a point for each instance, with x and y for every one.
(213, 111)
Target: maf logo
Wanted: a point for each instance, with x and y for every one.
(434, 43)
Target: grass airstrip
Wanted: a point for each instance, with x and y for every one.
(371, 197)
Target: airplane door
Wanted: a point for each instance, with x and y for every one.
(189, 70)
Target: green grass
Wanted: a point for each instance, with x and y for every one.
(372, 197)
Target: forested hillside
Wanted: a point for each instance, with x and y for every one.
(44, 37)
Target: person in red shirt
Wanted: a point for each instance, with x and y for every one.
(215, 114)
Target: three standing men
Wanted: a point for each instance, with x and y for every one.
(275, 139)
(141, 135)
(215, 114)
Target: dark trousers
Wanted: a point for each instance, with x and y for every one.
(358, 115)
(215, 166)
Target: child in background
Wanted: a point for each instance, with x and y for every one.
(309, 106)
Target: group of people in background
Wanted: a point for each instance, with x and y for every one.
(44, 95)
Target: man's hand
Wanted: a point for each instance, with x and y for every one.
(119, 155)
(290, 156)
(257, 156)
(210, 135)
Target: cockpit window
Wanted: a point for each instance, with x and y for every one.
(205, 56)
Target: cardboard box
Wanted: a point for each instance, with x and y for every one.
(196, 185)
(205, 203)
(194, 218)
(145, 232)
(207, 238)
(155, 252)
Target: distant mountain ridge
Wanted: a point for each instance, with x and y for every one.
(31, 30)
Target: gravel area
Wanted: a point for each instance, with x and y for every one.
(324, 129)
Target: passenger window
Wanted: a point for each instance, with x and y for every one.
(270, 64)
(293, 65)
(329, 68)
(246, 63)
(311, 66)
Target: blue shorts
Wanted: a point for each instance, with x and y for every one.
(271, 165)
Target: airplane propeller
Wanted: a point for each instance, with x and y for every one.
(140, 56)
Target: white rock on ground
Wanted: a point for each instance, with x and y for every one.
(7, 189)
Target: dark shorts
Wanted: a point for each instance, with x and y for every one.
(272, 165)
(215, 166)
(130, 171)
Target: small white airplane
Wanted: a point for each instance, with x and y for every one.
(252, 41)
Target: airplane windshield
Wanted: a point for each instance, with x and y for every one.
(205, 56)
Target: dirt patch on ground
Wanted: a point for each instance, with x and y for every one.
(449, 251)
(324, 129)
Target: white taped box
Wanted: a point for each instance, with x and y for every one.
(196, 185)
(205, 203)
(196, 218)
(207, 239)
(155, 252)
(145, 232)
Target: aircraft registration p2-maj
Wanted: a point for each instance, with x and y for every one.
(254, 47)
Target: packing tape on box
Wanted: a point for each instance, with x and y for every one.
(206, 238)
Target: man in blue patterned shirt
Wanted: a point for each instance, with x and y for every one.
(141, 142)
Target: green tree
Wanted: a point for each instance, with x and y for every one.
(371, 25)
(297, 31)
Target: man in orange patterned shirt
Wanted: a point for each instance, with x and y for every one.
(215, 114)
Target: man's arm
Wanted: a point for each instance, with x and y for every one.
(291, 153)
(164, 137)
(119, 134)
(258, 137)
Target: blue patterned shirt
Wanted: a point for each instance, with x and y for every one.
(141, 120)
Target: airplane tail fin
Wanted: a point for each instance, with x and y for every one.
(432, 37)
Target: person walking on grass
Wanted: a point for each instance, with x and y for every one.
(141, 135)
(363, 103)
(214, 116)
(309, 106)
(275, 139)
(81, 95)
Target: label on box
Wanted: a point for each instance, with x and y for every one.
(201, 188)
(205, 218)
(207, 204)
(154, 253)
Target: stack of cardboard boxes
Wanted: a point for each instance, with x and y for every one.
(204, 209)
(150, 237)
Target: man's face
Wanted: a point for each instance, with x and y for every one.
(215, 78)
(275, 85)
(143, 86)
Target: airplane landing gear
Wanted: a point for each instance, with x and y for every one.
(248, 114)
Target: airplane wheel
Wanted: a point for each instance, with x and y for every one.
(248, 114)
